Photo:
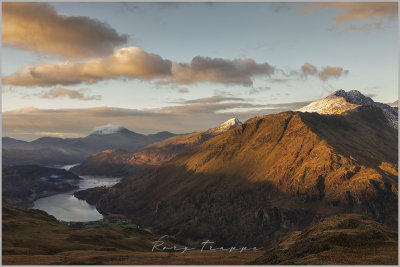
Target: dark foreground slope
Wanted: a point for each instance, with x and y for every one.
(22, 185)
(267, 177)
(345, 239)
(34, 237)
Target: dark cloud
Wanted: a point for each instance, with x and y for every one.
(38, 27)
(218, 70)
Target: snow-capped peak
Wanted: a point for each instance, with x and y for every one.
(229, 124)
(353, 97)
(341, 101)
(107, 129)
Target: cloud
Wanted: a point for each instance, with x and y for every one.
(213, 99)
(38, 27)
(308, 69)
(141, 7)
(352, 12)
(222, 92)
(218, 70)
(134, 63)
(128, 62)
(183, 90)
(207, 108)
(258, 90)
(332, 72)
(278, 80)
(57, 134)
(324, 74)
(72, 94)
(367, 27)
(31, 123)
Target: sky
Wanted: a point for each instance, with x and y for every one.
(69, 67)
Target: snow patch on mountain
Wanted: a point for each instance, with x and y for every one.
(107, 129)
(341, 101)
(229, 124)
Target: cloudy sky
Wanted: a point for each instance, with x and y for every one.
(182, 67)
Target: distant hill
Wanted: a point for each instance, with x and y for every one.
(8, 142)
(47, 150)
(41, 156)
(121, 163)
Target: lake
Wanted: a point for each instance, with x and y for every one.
(66, 207)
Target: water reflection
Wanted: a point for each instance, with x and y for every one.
(66, 207)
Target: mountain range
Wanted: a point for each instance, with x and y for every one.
(120, 162)
(268, 176)
(61, 151)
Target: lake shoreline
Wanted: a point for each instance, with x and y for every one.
(66, 207)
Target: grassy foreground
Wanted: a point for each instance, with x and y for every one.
(34, 237)
(337, 240)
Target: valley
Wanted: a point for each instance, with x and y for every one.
(306, 187)
(200, 133)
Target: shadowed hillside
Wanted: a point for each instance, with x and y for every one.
(267, 177)
(22, 185)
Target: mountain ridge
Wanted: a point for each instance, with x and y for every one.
(268, 176)
(341, 101)
(75, 149)
(122, 162)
